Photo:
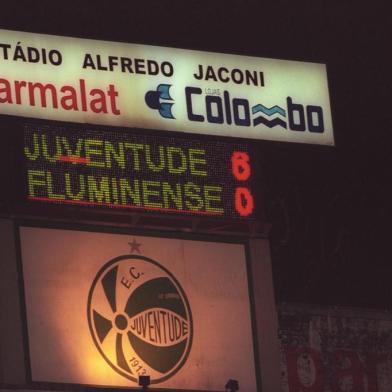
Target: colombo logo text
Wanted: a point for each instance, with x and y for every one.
(222, 108)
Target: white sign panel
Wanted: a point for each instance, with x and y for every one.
(103, 309)
(119, 84)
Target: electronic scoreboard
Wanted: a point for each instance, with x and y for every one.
(122, 169)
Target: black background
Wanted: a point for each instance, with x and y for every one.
(330, 207)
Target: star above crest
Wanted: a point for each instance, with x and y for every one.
(135, 246)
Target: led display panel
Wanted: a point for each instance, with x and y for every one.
(105, 308)
(120, 169)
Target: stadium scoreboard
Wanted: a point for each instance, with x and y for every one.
(122, 169)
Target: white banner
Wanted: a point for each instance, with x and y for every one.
(103, 309)
(118, 84)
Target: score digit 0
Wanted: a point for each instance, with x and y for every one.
(241, 170)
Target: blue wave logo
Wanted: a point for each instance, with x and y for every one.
(155, 100)
(259, 108)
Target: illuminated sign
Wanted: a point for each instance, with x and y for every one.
(110, 307)
(118, 84)
(124, 170)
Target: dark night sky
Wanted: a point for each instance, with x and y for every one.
(328, 207)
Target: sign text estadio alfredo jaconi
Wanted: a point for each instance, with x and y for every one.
(130, 85)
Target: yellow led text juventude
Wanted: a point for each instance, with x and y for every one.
(129, 156)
